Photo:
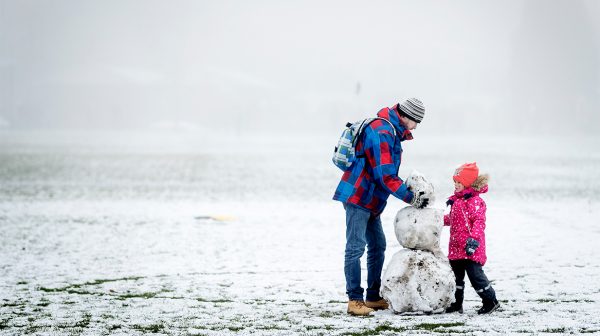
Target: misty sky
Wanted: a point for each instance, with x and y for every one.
(519, 66)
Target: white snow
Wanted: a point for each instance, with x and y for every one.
(102, 239)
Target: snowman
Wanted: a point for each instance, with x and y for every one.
(419, 279)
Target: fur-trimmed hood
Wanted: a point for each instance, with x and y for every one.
(481, 182)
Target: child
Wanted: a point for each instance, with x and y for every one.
(467, 237)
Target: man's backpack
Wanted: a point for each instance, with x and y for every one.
(344, 153)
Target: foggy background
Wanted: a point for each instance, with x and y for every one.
(524, 67)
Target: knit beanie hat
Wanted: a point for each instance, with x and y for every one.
(466, 174)
(413, 109)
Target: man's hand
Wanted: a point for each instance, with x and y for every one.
(419, 201)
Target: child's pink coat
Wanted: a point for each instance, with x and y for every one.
(471, 211)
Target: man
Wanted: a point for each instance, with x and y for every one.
(364, 189)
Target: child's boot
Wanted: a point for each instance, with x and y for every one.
(457, 305)
(488, 297)
(488, 306)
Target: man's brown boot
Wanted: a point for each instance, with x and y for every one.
(356, 307)
(379, 304)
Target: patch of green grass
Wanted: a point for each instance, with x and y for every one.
(237, 318)
(66, 290)
(22, 282)
(560, 330)
(146, 295)
(270, 327)
(4, 324)
(259, 302)
(114, 327)
(327, 314)
(32, 329)
(154, 328)
(69, 289)
(336, 301)
(578, 300)
(451, 331)
(101, 281)
(50, 290)
(588, 331)
(13, 304)
(328, 327)
(81, 292)
(235, 329)
(432, 326)
(85, 321)
(379, 329)
(545, 300)
(64, 326)
(214, 300)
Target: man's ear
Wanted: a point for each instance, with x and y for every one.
(402, 120)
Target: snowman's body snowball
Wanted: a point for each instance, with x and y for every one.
(418, 281)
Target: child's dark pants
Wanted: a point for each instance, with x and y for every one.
(477, 278)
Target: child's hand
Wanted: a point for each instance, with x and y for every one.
(471, 246)
(449, 202)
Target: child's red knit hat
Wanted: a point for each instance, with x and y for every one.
(466, 174)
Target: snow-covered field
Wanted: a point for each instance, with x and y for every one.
(104, 234)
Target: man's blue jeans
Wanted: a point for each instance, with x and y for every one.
(363, 229)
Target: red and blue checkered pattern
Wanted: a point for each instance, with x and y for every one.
(369, 181)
